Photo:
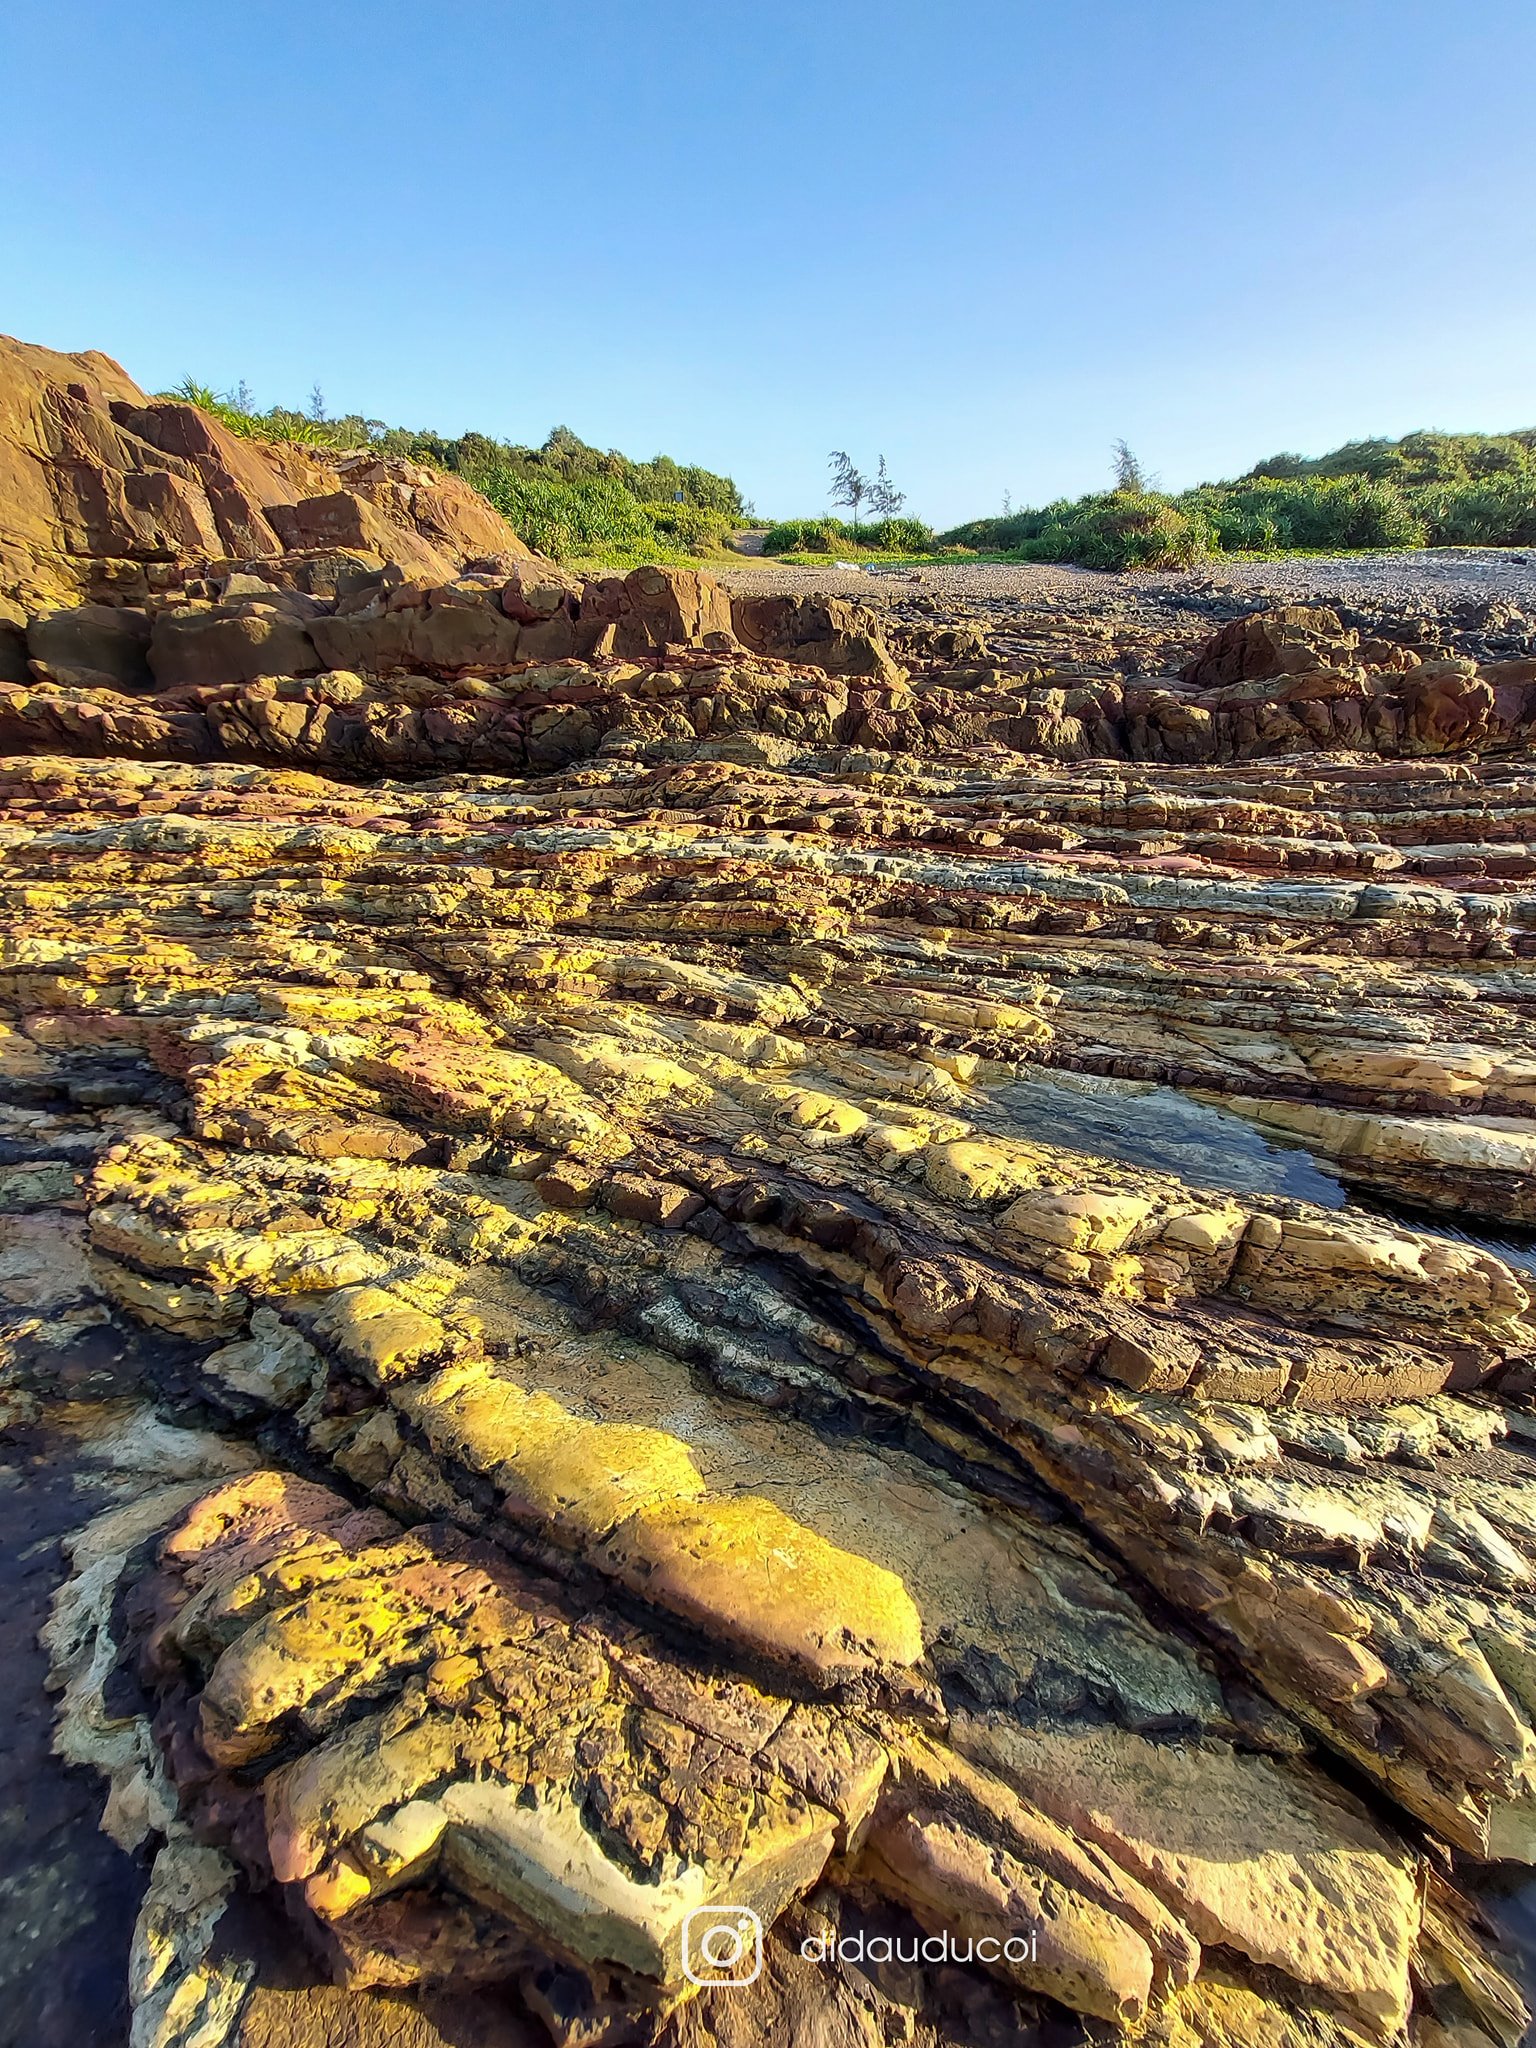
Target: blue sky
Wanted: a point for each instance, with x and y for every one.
(986, 240)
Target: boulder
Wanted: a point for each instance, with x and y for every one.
(651, 609)
(229, 643)
(827, 632)
(94, 643)
(1288, 641)
(536, 592)
(1449, 707)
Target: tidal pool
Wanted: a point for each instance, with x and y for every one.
(1149, 1125)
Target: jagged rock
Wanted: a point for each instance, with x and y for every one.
(826, 631)
(1293, 640)
(93, 474)
(751, 1183)
(650, 610)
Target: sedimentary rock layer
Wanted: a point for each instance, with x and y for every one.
(759, 1470)
(107, 494)
(569, 1095)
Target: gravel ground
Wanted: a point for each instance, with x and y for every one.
(1432, 577)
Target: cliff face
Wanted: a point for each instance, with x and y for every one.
(103, 491)
(548, 1174)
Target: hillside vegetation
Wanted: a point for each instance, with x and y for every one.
(1426, 490)
(566, 498)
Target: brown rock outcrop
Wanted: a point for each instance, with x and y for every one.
(795, 1266)
(828, 632)
(1293, 640)
(484, 633)
(102, 490)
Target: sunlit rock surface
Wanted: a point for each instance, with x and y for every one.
(660, 1413)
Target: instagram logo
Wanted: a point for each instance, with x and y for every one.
(722, 1945)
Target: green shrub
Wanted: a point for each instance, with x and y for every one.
(1122, 530)
(564, 498)
(1470, 490)
(692, 527)
(804, 536)
(1321, 513)
(1243, 529)
(1491, 511)
(1415, 461)
(827, 536)
(1008, 534)
(1147, 530)
(279, 424)
(900, 536)
(561, 519)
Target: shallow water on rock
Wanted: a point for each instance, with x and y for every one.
(68, 1895)
(1162, 1128)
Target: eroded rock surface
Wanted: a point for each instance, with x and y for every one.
(108, 494)
(557, 1093)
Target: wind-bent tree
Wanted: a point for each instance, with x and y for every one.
(1129, 474)
(885, 501)
(848, 486)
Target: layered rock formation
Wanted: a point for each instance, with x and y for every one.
(471, 658)
(109, 495)
(567, 1100)
(611, 1178)
(143, 545)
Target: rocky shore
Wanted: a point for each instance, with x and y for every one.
(1423, 580)
(603, 1397)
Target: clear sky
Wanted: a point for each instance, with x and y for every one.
(985, 238)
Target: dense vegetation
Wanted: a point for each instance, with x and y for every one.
(571, 500)
(1426, 490)
(825, 536)
(566, 498)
